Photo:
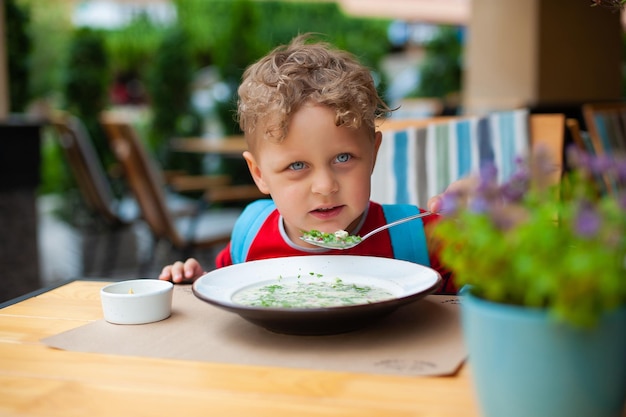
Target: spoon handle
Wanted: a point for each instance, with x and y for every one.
(397, 222)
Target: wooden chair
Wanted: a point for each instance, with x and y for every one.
(582, 140)
(606, 124)
(389, 125)
(548, 131)
(107, 214)
(89, 174)
(94, 182)
(579, 138)
(207, 228)
(606, 127)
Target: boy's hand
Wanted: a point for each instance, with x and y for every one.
(435, 203)
(180, 272)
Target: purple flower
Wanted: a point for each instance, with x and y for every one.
(479, 204)
(620, 168)
(487, 188)
(450, 202)
(488, 173)
(601, 164)
(514, 189)
(578, 159)
(587, 221)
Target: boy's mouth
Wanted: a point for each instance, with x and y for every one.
(325, 212)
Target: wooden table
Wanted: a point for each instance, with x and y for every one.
(40, 381)
(227, 146)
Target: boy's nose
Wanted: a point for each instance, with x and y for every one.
(324, 183)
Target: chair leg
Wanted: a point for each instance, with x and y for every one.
(202, 206)
(146, 264)
(90, 250)
(95, 242)
(112, 244)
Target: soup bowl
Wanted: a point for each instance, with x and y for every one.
(403, 282)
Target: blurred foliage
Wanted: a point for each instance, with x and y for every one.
(208, 20)
(232, 34)
(50, 31)
(18, 47)
(364, 37)
(132, 47)
(169, 86)
(441, 69)
(85, 86)
(239, 47)
(624, 64)
(56, 177)
(244, 47)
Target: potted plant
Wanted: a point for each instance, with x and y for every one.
(542, 273)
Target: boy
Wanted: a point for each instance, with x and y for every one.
(309, 115)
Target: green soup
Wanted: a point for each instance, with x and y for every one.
(310, 294)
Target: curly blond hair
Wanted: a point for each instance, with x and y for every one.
(276, 86)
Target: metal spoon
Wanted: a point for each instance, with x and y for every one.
(352, 241)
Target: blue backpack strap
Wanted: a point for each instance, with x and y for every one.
(247, 226)
(408, 240)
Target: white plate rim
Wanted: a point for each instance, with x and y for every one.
(218, 286)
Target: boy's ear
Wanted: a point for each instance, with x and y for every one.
(378, 138)
(255, 171)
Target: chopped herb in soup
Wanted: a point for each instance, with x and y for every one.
(316, 294)
(339, 238)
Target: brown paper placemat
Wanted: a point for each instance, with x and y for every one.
(423, 338)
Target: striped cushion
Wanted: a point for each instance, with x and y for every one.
(510, 139)
(415, 164)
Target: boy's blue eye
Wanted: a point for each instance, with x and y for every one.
(296, 166)
(343, 157)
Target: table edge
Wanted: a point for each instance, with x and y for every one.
(52, 287)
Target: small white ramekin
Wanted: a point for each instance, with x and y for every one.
(137, 301)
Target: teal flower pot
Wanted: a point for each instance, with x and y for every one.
(524, 364)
